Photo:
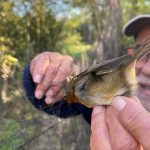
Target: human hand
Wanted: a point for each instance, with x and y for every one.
(124, 126)
(49, 70)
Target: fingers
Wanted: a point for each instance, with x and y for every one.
(121, 139)
(40, 63)
(134, 118)
(54, 78)
(38, 67)
(65, 69)
(54, 93)
(50, 99)
(50, 70)
(50, 74)
(100, 139)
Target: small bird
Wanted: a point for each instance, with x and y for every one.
(99, 84)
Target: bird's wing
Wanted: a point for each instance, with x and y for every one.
(107, 66)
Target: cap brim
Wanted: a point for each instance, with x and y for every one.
(136, 24)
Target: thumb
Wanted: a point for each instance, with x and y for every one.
(134, 118)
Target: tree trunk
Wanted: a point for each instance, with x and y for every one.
(114, 31)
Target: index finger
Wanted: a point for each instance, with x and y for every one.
(38, 68)
(100, 139)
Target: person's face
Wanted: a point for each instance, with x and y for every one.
(143, 71)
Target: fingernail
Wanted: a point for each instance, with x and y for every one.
(98, 109)
(37, 78)
(119, 103)
(49, 100)
(39, 94)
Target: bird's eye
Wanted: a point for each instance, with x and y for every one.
(82, 88)
(98, 78)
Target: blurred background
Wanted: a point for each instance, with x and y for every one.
(88, 30)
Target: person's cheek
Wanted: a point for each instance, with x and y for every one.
(146, 68)
(138, 66)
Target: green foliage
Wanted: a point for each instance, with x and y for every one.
(11, 133)
(7, 60)
(133, 8)
(29, 28)
(72, 43)
(37, 29)
(8, 136)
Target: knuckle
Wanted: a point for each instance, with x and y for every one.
(51, 70)
(64, 73)
(40, 56)
(44, 86)
(56, 54)
(56, 88)
(45, 53)
(133, 118)
(68, 58)
(46, 82)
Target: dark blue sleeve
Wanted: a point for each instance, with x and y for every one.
(61, 108)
